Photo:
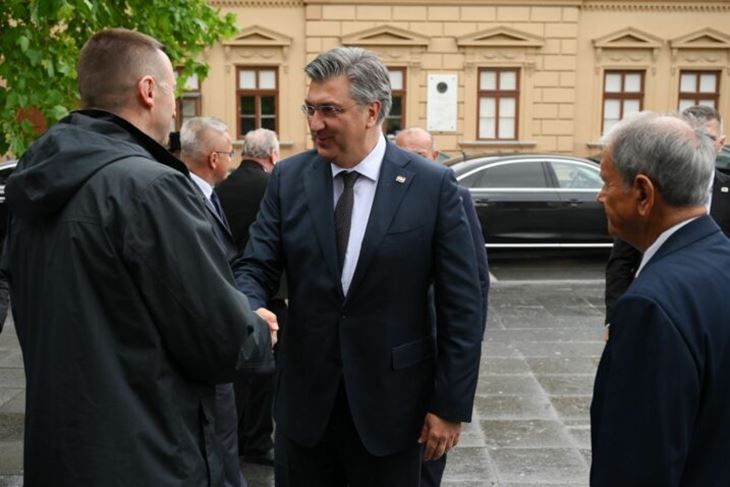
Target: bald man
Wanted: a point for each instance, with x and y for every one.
(419, 141)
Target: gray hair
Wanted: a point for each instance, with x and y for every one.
(675, 155)
(193, 140)
(701, 114)
(260, 143)
(369, 80)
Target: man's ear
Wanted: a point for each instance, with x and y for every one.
(374, 108)
(645, 194)
(146, 90)
(213, 160)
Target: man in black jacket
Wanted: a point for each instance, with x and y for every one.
(108, 243)
(241, 194)
(624, 258)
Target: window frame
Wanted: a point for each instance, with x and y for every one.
(622, 95)
(257, 93)
(397, 93)
(497, 94)
(697, 96)
(186, 95)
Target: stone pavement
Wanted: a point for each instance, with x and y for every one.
(531, 415)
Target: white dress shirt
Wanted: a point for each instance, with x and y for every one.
(206, 188)
(654, 247)
(363, 195)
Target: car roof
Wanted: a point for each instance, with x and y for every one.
(473, 162)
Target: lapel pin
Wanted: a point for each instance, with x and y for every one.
(724, 189)
(400, 179)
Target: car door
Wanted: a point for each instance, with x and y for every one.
(514, 201)
(582, 217)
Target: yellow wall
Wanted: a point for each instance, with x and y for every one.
(560, 46)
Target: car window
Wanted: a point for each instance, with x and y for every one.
(576, 176)
(4, 173)
(515, 174)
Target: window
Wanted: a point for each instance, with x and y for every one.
(499, 93)
(522, 174)
(187, 105)
(576, 176)
(698, 88)
(396, 120)
(623, 94)
(257, 99)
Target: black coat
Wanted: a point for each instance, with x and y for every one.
(113, 269)
(241, 194)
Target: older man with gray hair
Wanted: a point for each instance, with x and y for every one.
(660, 414)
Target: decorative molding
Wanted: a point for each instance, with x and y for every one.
(627, 46)
(704, 47)
(257, 3)
(256, 44)
(385, 35)
(500, 37)
(666, 6)
(505, 46)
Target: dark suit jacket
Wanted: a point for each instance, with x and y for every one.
(477, 237)
(625, 259)
(660, 414)
(376, 340)
(241, 194)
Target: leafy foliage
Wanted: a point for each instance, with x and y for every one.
(40, 42)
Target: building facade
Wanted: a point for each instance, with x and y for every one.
(482, 75)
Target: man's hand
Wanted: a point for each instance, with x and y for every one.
(270, 319)
(439, 435)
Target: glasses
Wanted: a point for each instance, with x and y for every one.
(327, 111)
(230, 154)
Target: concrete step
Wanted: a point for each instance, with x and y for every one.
(12, 407)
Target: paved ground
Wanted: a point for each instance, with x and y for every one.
(531, 423)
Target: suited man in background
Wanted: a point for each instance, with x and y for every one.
(207, 152)
(660, 414)
(363, 229)
(624, 258)
(240, 194)
(420, 141)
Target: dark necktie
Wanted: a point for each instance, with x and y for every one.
(219, 209)
(343, 214)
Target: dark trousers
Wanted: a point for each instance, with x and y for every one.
(253, 402)
(340, 459)
(432, 472)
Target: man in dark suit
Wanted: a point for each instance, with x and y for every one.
(420, 141)
(241, 194)
(207, 152)
(660, 414)
(363, 229)
(624, 258)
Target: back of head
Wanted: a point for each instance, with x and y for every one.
(260, 144)
(676, 156)
(369, 80)
(197, 138)
(418, 141)
(701, 114)
(112, 62)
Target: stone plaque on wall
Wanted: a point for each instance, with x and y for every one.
(441, 103)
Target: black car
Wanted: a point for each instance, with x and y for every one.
(536, 200)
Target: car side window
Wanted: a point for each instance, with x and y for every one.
(515, 174)
(576, 176)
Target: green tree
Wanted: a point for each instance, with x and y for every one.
(40, 42)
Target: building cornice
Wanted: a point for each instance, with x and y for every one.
(657, 6)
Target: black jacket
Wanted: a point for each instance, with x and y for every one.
(125, 309)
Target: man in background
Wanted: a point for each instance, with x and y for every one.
(241, 194)
(108, 244)
(660, 414)
(420, 141)
(207, 152)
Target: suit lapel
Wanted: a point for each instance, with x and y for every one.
(393, 183)
(223, 224)
(318, 188)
